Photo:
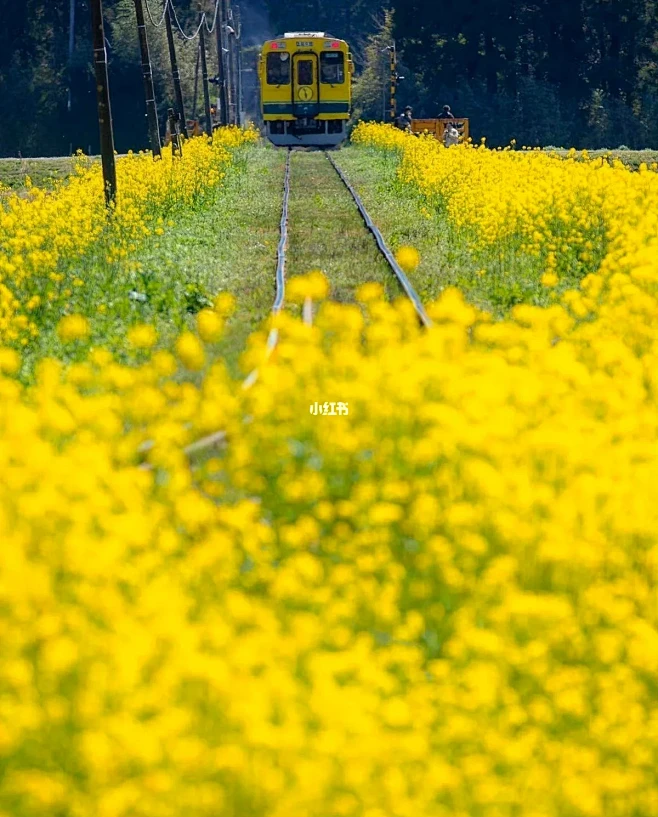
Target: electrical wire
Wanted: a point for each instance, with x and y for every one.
(162, 18)
(180, 28)
(212, 28)
(168, 4)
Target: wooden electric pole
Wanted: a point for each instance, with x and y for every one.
(196, 82)
(149, 91)
(175, 73)
(69, 101)
(231, 42)
(71, 50)
(221, 64)
(238, 34)
(104, 111)
(226, 55)
(204, 77)
(394, 82)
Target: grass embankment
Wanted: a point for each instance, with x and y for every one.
(228, 244)
(227, 247)
(41, 172)
(631, 158)
(491, 281)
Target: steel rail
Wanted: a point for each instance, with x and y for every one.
(383, 247)
(283, 241)
(219, 437)
(273, 337)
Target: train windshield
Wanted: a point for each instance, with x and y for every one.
(305, 72)
(332, 67)
(278, 69)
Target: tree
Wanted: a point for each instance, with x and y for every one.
(351, 20)
(509, 62)
(35, 74)
(371, 88)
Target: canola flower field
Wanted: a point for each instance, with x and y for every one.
(442, 605)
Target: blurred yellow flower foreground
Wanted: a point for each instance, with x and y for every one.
(441, 605)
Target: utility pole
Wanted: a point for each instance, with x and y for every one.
(196, 81)
(204, 76)
(149, 91)
(394, 80)
(69, 101)
(390, 82)
(222, 100)
(385, 78)
(71, 49)
(238, 23)
(232, 42)
(226, 58)
(175, 73)
(103, 95)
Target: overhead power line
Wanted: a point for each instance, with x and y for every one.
(158, 23)
(161, 22)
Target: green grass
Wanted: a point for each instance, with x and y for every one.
(227, 245)
(446, 257)
(631, 158)
(42, 172)
(328, 233)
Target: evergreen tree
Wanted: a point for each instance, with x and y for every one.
(539, 71)
(371, 88)
(352, 20)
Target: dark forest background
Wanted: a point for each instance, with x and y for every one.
(580, 73)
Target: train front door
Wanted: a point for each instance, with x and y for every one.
(305, 86)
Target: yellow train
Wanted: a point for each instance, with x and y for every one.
(306, 89)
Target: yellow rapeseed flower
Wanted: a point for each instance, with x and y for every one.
(408, 258)
(224, 304)
(142, 336)
(448, 585)
(10, 361)
(313, 285)
(73, 327)
(370, 292)
(190, 352)
(209, 325)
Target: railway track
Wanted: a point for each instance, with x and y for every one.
(384, 251)
(282, 253)
(383, 248)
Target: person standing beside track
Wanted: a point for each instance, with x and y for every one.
(450, 135)
(403, 122)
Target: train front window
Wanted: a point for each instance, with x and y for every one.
(332, 67)
(278, 69)
(305, 72)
